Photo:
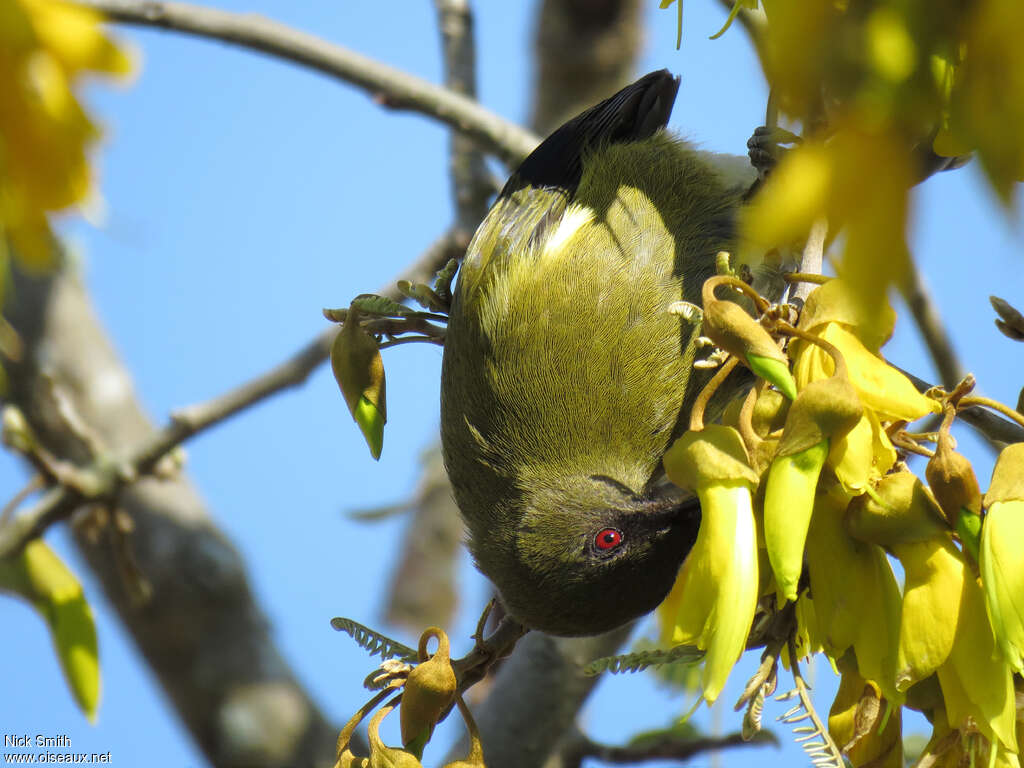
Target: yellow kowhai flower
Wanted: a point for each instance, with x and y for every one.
(943, 626)
(864, 452)
(823, 412)
(858, 723)
(857, 599)
(712, 602)
(1002, 567)
(45, 45)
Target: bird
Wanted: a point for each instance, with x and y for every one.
(565, 377)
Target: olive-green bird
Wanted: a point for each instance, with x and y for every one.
(565, 377)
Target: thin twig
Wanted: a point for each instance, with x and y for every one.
(985, 422)
(389, 86)
(667, 747)
(995, 405)
(35, 484)
(811, 260)
(929, 322)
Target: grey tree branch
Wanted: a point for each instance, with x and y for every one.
(470, 182)
(585, 52)
(204, 638)
(60, 501)
(580, 747)
(390, 86)
(812, 259)
(929, 322)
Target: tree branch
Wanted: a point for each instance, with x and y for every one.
(471, 186)
(204, 638)
(60, 501)
(929, 322)
(389, 86)
(668, 747)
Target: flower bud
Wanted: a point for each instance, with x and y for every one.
(732, 329)
(788, 502)
(898, 510)
(824, 409)
(428, 692)
(952, 481)
(770, 411)
(359, 371)
(41, 577)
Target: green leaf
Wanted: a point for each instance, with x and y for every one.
(443, 282)
(42, 578)
(372, 304)
(374, 642)
(359, 371)
(423, 295)
(640, 660)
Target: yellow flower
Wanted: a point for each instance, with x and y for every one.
(857, 722)
(1002, 569)
(880, 387)
(44, 132)
(857, 599)
(944, 629)
(834, 315)
(824, 410)
(712, 603)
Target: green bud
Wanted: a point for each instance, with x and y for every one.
(359, 371)
(732, 329)
(788, 503)
(774, 372)
(770, 411)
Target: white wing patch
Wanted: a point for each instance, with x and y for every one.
(575, 217)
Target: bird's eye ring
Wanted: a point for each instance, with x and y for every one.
(608, 539)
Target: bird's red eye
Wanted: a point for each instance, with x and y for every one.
(608, 538)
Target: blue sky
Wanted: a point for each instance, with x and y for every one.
(243, 195)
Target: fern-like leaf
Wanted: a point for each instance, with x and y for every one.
(808, 729)
(640, 660)
(374, 642)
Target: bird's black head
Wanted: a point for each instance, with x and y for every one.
(587, 559)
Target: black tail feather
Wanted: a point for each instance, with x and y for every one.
(636, 112)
